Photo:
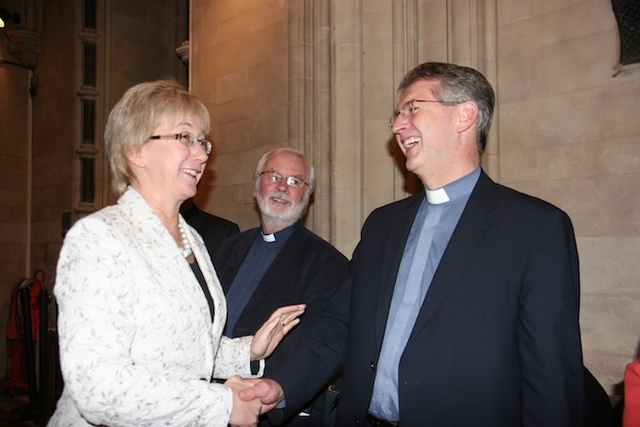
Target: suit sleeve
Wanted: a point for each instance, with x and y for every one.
(549, 336)
(322, 284)
(318, 356)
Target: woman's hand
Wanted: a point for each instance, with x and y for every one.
(267, 338)
(267, 390)
(243, 412)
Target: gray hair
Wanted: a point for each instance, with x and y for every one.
(286, 150)
(458, 84)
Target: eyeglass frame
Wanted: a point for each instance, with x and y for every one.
(407, 109)
(287, 179)
(189, 137)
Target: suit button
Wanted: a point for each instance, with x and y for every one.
(372, 365)
(356, 421)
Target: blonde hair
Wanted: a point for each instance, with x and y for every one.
(137, 115)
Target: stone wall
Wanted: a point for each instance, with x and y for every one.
(239, 68)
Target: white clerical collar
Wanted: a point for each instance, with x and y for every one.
(268, 237)
(437, 197)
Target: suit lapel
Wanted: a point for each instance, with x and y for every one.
(240, 249)
(281, 266)
(465, 241)
(394, 244)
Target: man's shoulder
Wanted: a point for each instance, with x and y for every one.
(513, 206)
(518, 200)
(311, 242)
(201, 220)
(234, 246)
(217, 219)
(241, 236)
(409, 204)
(223, 221)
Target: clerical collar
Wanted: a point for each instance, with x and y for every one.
(268, 237)
(280, 235)
(454, 190)
(437, 197)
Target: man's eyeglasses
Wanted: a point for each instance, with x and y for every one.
(275, 177)
(410, 108)
(187, 139)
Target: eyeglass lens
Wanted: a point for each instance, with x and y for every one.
(275, 177)
(193, 140)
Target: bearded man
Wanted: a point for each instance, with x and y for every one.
(280, 263)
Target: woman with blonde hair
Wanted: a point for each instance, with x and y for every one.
(141, 310)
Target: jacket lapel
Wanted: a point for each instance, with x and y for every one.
(282, 266)
(398, 233)
(465, 241)
(163, 255)
(239, 251)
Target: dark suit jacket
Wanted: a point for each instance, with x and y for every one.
(213, 229)
(307, 270)
(497, 341)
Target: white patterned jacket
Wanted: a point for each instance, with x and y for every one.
(137, 346)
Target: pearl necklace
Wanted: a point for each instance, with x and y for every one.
(186, 246)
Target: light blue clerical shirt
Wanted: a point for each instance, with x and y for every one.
(430, 232)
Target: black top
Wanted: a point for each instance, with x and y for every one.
(203, 284)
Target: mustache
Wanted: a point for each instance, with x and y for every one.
(281, 196)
